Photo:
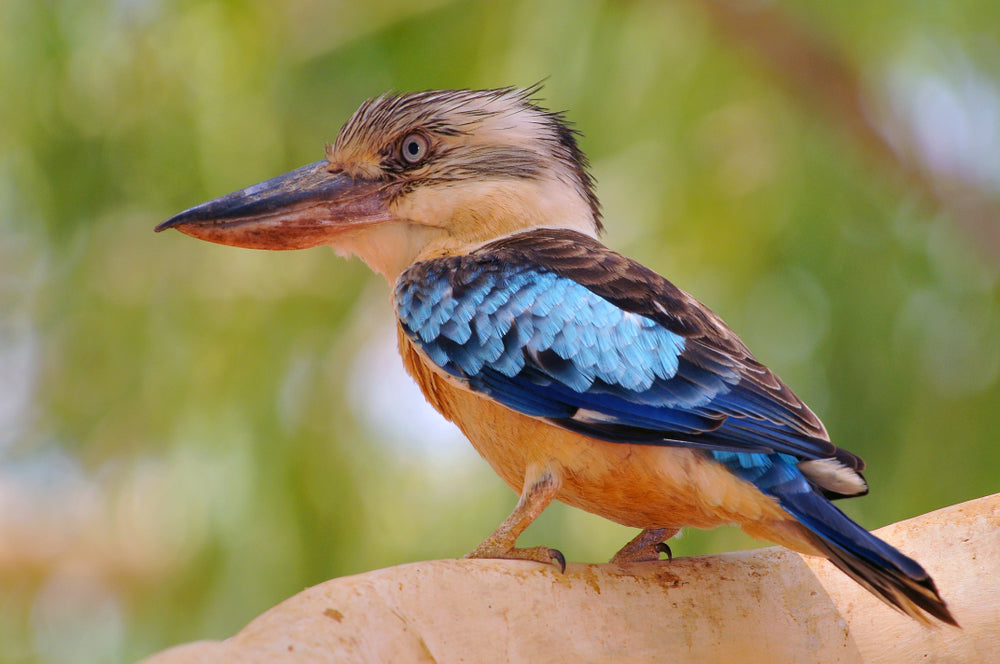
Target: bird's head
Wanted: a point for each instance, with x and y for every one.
(415, 176)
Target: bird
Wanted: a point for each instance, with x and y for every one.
(577, 373)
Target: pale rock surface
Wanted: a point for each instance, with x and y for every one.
(768, 605)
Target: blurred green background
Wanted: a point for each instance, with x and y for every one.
(191, 433)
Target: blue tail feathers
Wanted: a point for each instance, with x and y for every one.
(897, 579)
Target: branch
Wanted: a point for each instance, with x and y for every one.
(767, 605)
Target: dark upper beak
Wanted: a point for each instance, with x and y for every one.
(304, 208)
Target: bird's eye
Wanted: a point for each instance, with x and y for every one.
(414, 148)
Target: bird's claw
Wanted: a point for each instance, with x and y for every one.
(538, 554)
(646, 547)
(558, 557)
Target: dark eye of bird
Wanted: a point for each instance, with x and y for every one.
(414, 148)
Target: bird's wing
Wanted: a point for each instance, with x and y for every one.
(554, 325)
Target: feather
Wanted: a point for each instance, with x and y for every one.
(601, 345)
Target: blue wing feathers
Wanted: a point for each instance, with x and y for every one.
(547, 346)
(552, 329)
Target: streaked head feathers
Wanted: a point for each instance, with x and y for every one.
(499, 133)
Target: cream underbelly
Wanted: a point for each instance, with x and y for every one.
(641, 486)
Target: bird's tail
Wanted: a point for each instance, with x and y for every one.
(895, 578)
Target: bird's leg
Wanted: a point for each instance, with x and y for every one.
(540, 487)
(646, 546)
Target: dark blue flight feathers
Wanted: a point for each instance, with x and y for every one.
(516, 322)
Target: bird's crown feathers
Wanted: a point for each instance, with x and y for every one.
(495, 133)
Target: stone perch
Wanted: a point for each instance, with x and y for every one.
(766, 605)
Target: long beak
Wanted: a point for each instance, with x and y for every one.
(304, 208)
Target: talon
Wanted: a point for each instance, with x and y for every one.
(646, 547)
(538, 554)
(559, 558)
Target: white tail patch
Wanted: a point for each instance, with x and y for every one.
(834, 476)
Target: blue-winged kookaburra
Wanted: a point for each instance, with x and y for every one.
(577, 373)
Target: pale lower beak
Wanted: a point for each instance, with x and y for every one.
(305, 208)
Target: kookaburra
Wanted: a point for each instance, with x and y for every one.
(576, 372)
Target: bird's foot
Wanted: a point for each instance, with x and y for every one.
(540, 487)
(647, 554)
(646, 547)
(539, 554)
